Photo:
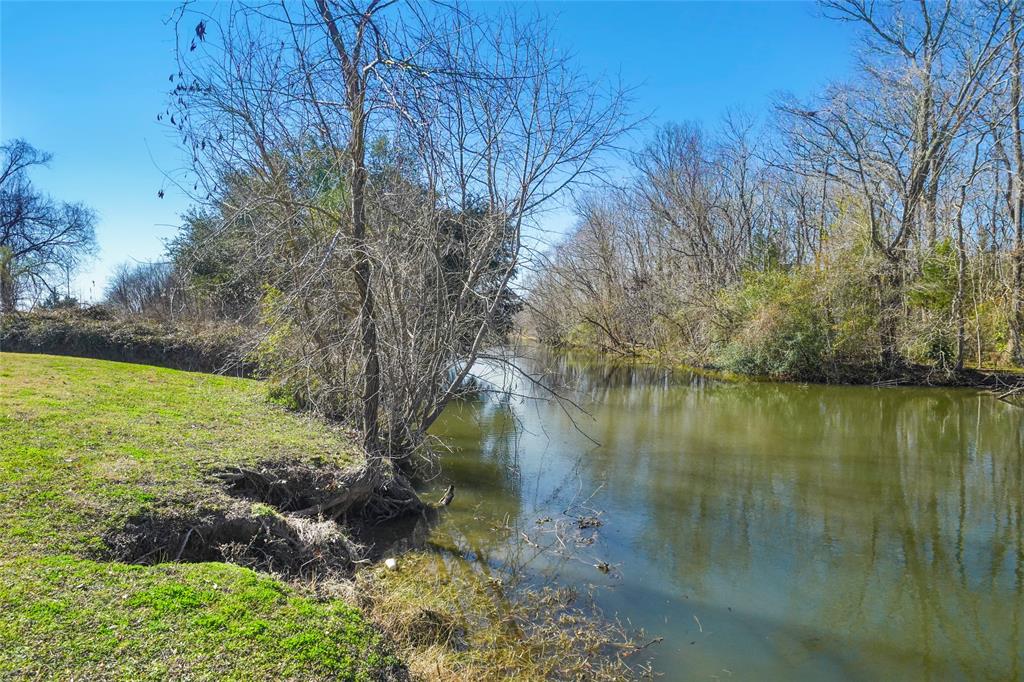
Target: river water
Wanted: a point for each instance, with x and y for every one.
(766, 531)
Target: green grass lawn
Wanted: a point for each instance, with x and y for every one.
(87, 444)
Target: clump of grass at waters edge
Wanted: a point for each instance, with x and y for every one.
(87, 445)
(452, 622)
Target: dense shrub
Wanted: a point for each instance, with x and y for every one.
(780, 329)
(97, 333)
(804, 324)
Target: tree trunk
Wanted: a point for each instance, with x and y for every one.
(8, 298)
(890, 301)
(961, 271)
(1017, 198)
(890, 283)
(355, 96)
(367, 311)
(931, 212)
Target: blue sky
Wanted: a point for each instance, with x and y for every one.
(85, 80)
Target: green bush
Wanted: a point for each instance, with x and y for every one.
(782, 332)
(808, 323)
(989, 320)
(935, 288)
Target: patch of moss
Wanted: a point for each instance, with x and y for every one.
(263, 510)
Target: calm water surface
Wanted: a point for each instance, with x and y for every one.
(766, 531)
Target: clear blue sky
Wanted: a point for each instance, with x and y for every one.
(85, 80)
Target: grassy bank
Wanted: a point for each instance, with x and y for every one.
(88, 445)
(95, 455)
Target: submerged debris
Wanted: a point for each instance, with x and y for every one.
(446, 499)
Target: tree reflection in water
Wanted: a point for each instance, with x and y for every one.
(816, 532)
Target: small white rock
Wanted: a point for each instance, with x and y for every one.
(391, 564)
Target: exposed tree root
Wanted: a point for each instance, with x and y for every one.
(290, 519)
(363, 494)
(263, 540)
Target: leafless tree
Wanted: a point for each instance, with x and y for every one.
(142, 289)
(894, 198)
(382, 161)
(926, 72)
(1014, 103)
(41, 241)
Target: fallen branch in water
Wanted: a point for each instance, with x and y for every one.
(634, 648)
(1007, 395)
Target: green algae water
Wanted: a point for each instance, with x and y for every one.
(766, 531)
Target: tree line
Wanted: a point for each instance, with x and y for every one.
(874, 226)
(366, 174)
(362, 174)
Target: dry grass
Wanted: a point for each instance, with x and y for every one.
(452, 621)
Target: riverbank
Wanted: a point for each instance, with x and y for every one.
(95, 452)
(1007, 382)
(134, 550)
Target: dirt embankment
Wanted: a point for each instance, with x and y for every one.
(293, 519)
(99, 334)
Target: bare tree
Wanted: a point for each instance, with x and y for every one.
(142, 289)
(383, 161)
(1015, 167)
(885, 209)
(927, 71)
(41, 241)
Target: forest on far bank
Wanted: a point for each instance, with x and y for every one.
(375, 234)
(843, 238)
